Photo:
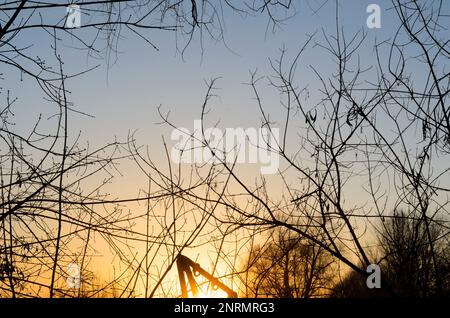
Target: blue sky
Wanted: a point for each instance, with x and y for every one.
(126, 96)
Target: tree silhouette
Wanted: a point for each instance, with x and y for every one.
(405, 260)
(287, 266)
(407, 256)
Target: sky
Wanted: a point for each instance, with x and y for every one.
(125, 96)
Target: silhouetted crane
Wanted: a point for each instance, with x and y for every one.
(189, 268)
